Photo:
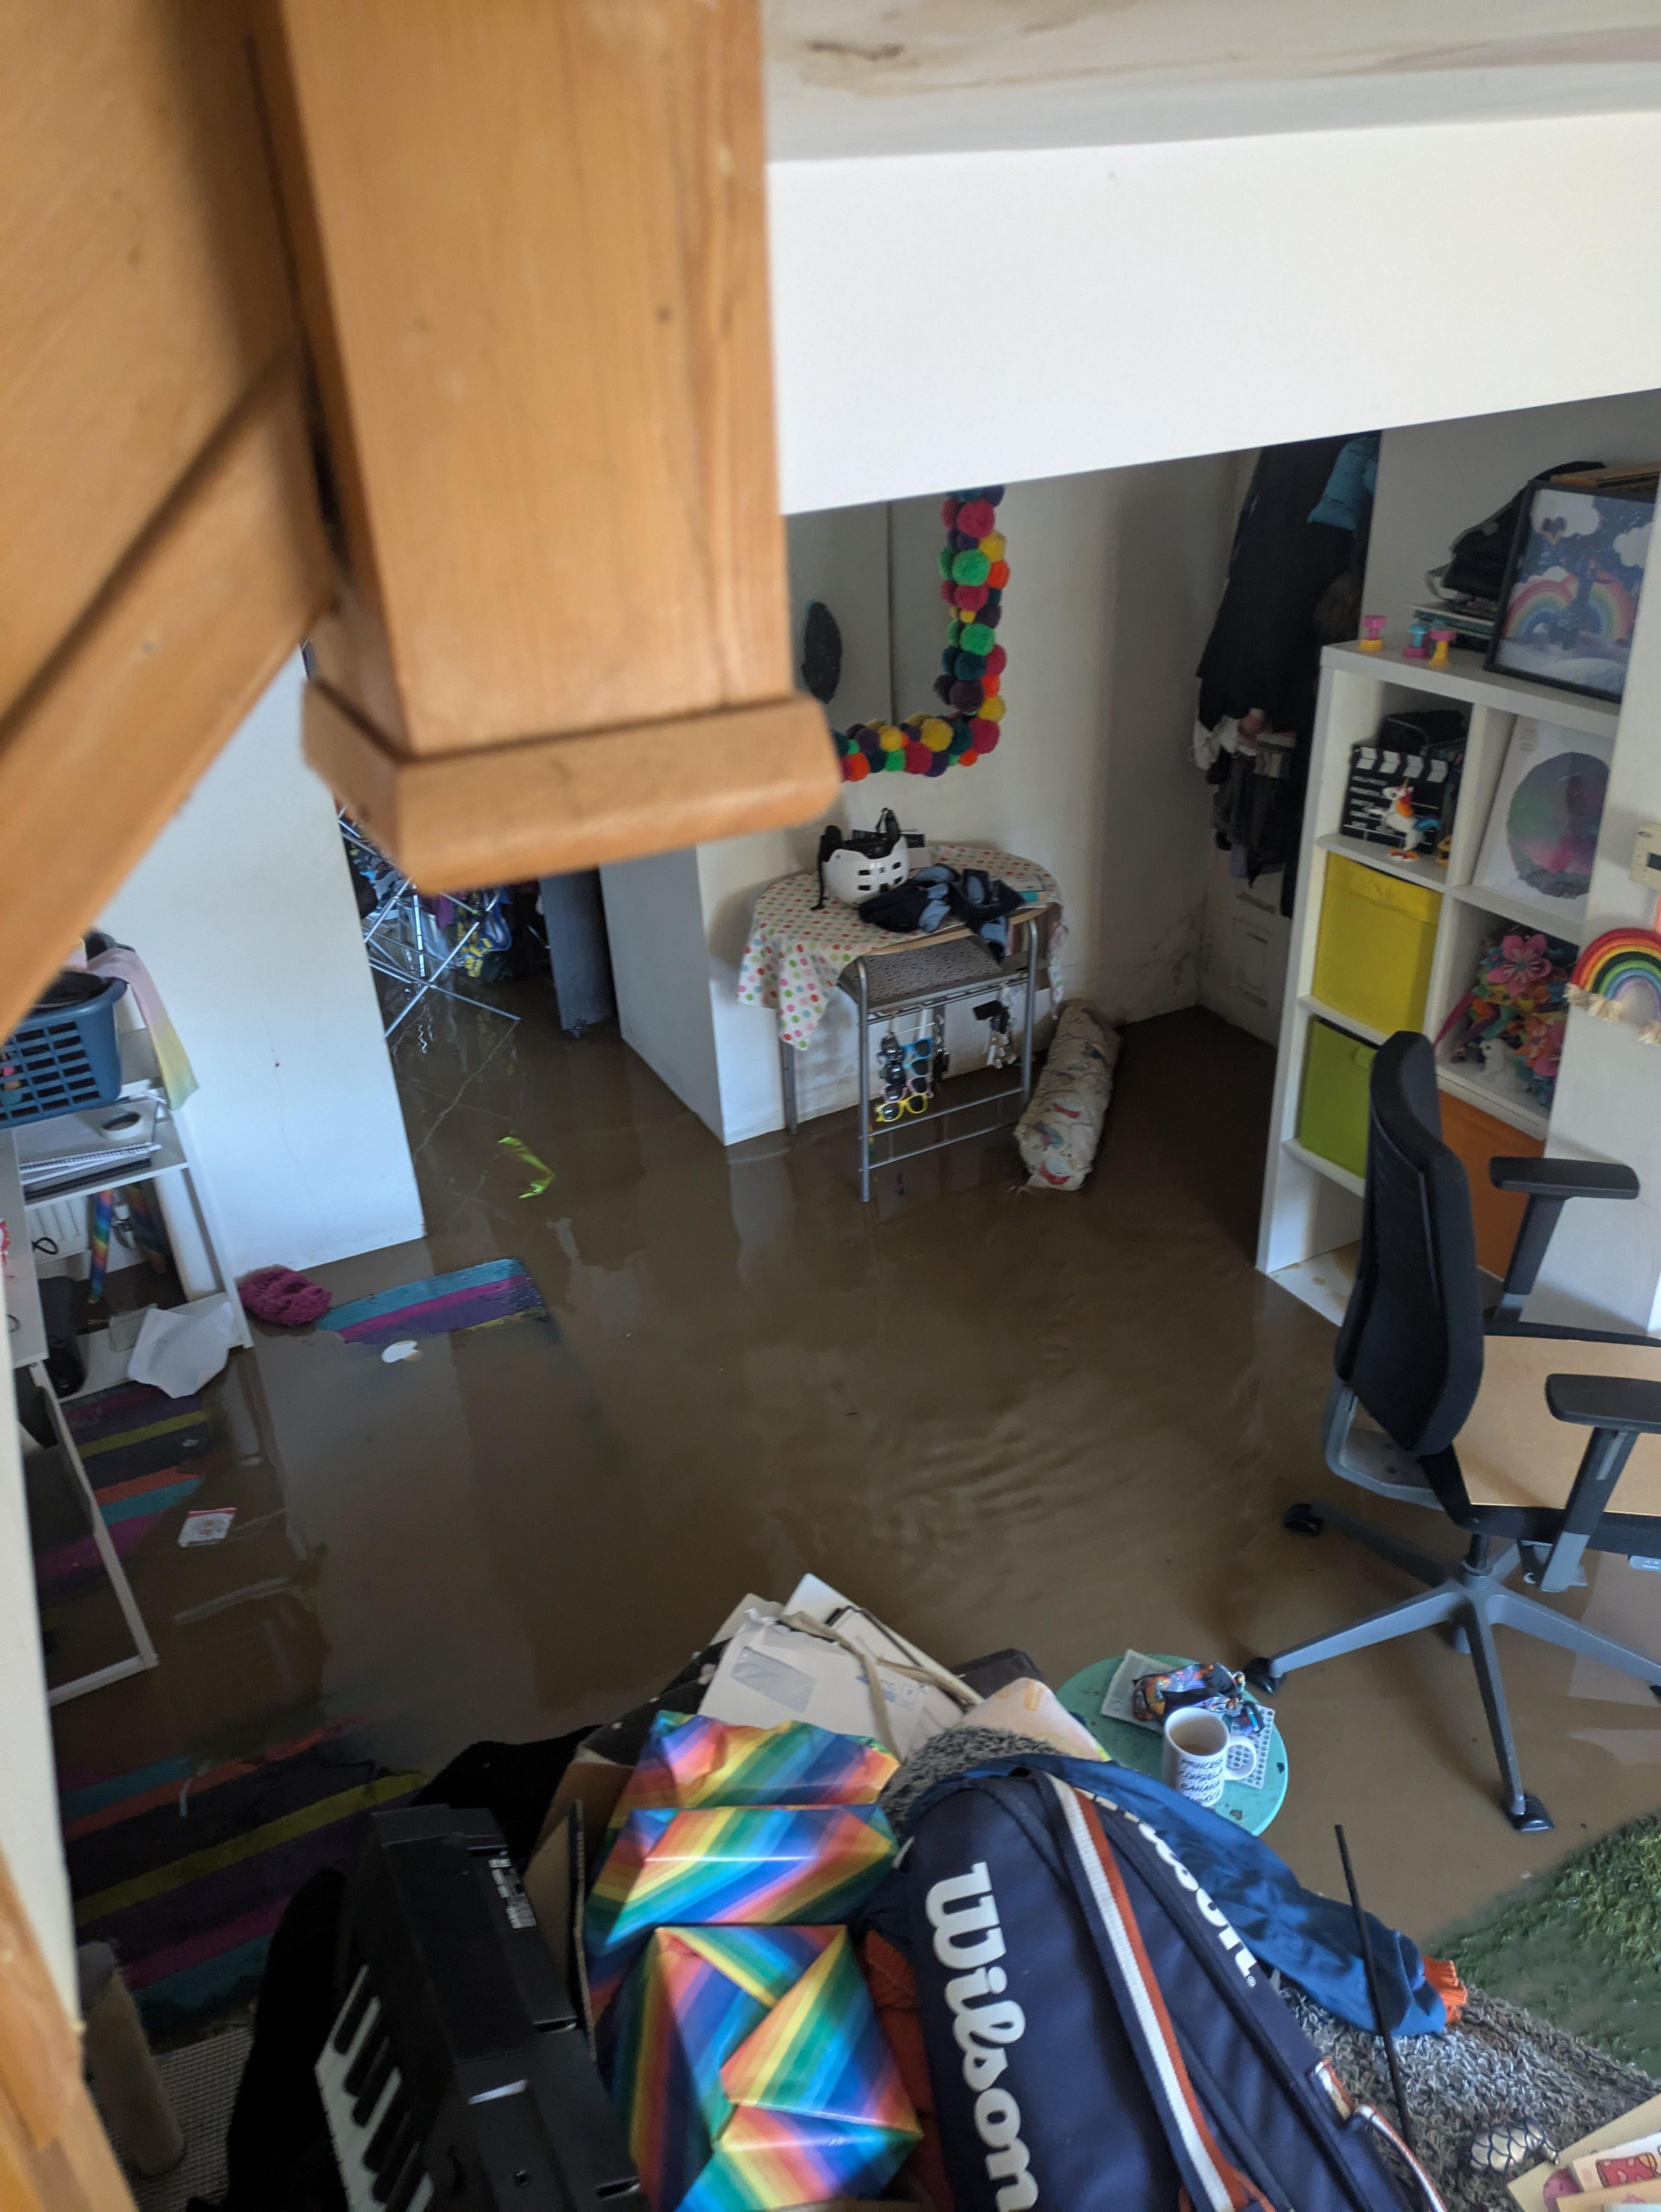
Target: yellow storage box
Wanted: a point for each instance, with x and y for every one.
(1332, 1113)
(1372, 955)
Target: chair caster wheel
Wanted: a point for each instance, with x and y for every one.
(1302, 1520)
(1262, 1676)
(1532, 1820)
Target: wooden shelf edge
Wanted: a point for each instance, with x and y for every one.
(1329, 1168)
(1516, 1115)
(1532, 913)
(547, 805)
(1317, 1010)
(1381, 858)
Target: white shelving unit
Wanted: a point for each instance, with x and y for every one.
(1311, 1211)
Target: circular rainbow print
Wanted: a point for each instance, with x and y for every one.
(1551, 824)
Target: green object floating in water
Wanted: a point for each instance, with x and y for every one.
(540, 1173)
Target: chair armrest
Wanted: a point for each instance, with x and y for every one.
(1606, 1401)
(1538, 1178)
(1547, 1185)
(1617, 1410)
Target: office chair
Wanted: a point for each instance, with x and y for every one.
(1478, 1415)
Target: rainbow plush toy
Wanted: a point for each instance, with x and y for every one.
(1619, 970)
(973, 574)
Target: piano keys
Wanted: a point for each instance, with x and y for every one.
(457, 2072)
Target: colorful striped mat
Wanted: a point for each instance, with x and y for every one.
(472, 1298)
(186, 1870)
(138, 1447)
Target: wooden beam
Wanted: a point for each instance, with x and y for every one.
(107, 743)
(143, 287)
(54, 2155)
(557, 804)
(531, 256)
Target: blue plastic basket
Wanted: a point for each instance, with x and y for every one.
(63, 1057)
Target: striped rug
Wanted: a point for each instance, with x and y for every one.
(139, 1448)
(438, 1305)
(185, 1869)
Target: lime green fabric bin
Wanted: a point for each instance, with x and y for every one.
(1332, 1113)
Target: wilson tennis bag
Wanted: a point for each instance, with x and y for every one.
(1099, 2039)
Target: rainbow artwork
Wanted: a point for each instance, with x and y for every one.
(753, 2072)
(715, 1866)
(1537, 599)
(1613, 607)
(1618, 971)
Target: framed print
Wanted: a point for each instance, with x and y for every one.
(1570, 597)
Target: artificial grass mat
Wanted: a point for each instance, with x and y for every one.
(1580, 1945)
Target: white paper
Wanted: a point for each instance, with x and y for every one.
(182, 1347)
(208, 1524)
(771, 1673)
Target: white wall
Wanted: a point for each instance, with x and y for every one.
(1117, 304)
(243, 911)
(659, 967)
(1115, 580)
(30, 1840)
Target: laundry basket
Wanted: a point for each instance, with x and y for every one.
(64, 1056)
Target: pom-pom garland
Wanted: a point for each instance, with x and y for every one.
(974, 570)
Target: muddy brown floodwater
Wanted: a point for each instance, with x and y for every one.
(1069, 1423)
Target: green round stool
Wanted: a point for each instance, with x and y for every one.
(1139, 1748)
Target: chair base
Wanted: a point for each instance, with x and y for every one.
(1469, 1601)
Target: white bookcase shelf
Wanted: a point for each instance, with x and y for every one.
(1311, 1210)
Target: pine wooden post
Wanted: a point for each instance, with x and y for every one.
(531, 257)
(54, 2156)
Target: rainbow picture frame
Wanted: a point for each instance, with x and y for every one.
(1569, 602)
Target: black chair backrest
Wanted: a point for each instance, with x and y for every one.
(1411, 1344)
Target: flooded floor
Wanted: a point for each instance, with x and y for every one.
(1069, 1423)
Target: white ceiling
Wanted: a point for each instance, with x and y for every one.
(870, 76)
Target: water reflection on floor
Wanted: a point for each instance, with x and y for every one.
(1067, 1423)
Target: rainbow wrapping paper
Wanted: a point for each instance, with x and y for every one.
(694, 1761)
(753, 2073)
(714, 1866)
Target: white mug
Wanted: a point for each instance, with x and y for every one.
(1195, 1759)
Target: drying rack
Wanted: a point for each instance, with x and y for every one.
(398, 935)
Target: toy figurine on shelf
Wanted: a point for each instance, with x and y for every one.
(1441, 637)
(1372, 634)
(1416, 648)
(1417, 832)
(1511, 1019)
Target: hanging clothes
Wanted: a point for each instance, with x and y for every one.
(1293, 586)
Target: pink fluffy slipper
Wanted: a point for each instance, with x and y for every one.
(284, 1296)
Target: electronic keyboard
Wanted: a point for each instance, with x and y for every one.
(458, 2074)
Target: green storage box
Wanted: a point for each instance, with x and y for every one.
(1332, 1114)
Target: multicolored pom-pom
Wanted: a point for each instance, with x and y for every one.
(974, 570)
